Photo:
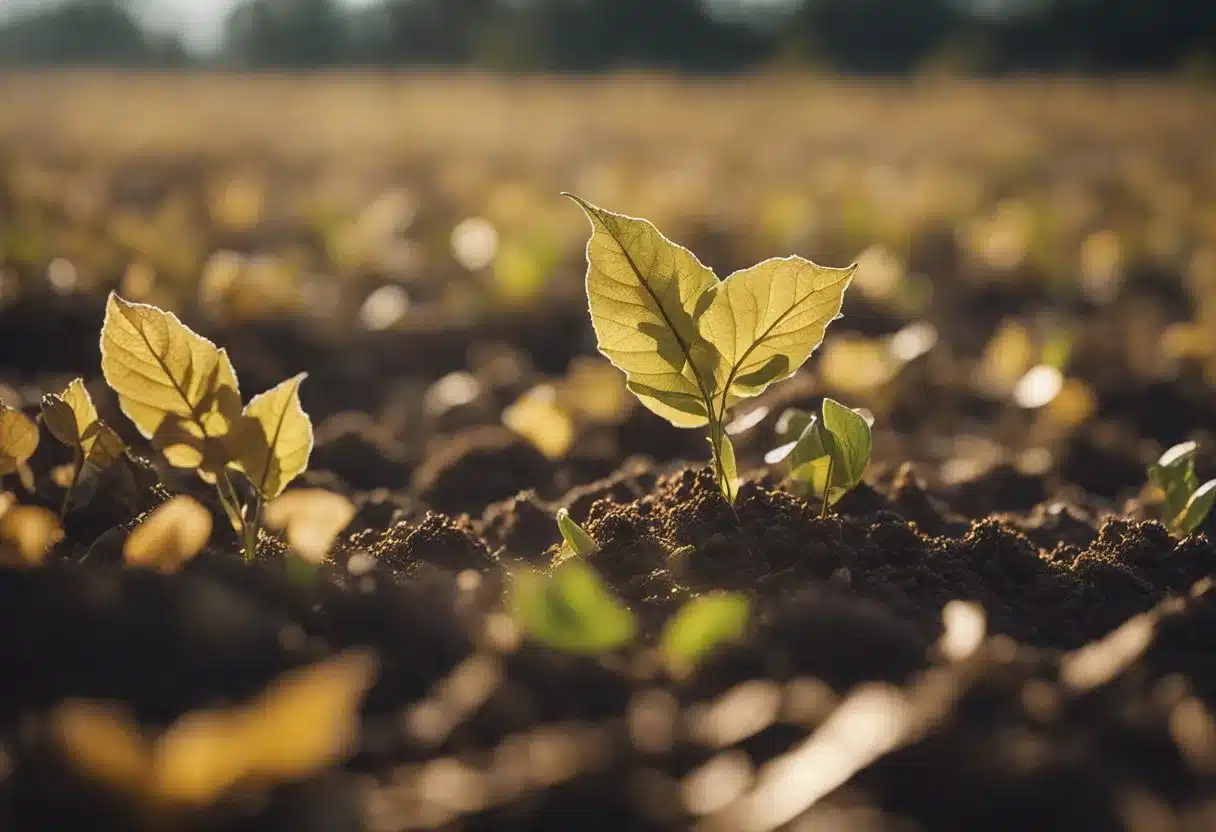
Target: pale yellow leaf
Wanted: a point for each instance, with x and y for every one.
(174, 533)
(767, 320)
(103, 742)
(177, 387)
(274, 439)
(308, 719)
(537, 416)
(27, 533)
(644, 291)
(312, 518)
(18, 439)
(72, 418)
(200, 758)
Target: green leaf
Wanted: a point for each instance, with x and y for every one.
(851, 442)
(1197, 507)
(574, 535)
(644, 292)
(700, 626)
(767, 320)
(1174, 475)
(791, 424)
(571, 610)
(730, 469)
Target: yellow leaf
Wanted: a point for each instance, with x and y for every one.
(272, 444)
(766, 320)
(72, 418)
(27, 533)
(174, 533)
(199, 758)
(644, 292)
(18, 439)
(308, 719)
(176, 386)
(537, 417)
(312, 519)
(103, 742)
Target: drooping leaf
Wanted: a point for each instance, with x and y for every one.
(1197, 507)
(700, 626)
(18, 441)
(27, 534)
(72, 418)
(177, 387)
(312, 519)
(571, 610)
(767, 320)
(645, 294)
(273, 440)
(172, 534)
(575, 536)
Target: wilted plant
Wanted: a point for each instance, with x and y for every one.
(1185, 502)
(830, 451)
(691, 345)
(181, 392)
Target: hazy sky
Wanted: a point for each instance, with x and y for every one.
(200, 21)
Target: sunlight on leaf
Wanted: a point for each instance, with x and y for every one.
(700, 626)
(27, 533)
(537, 416)
(571, 610)
(574, 535)
(72, 418)
(1197, 508)
(178, 389)
(18, 441)
(273, 439)
(174, 533)
(311, 518)
(643, 291)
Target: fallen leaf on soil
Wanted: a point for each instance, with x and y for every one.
(173, 533)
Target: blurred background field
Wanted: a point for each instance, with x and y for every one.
(1029, 189)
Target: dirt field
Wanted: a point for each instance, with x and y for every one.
(1032, 323)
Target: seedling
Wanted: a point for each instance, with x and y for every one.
(72, 418)
(1186, 503)
(691, 345)
(575, 540)
(181, 393)
(830, 453)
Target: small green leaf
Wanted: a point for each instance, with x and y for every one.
(1197, 508)
(851, 442)
(700, 626)
(643, 292)
(571, 610)
(1174, 475)
(791, 424)
(576, 536)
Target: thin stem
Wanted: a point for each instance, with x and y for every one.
(827, 489)
(236, 517)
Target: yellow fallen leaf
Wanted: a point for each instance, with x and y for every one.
(104, 743)
(177, 387)
(312, 519)
(18, 441)
(72, 418)
(537, 417)
(174, 533)
(274, 438)
(27, 533)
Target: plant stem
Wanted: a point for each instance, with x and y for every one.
(827, 489)
(232, 507)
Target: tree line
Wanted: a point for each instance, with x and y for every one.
(586, 36)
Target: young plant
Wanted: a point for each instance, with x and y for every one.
(18, 441)
(830, 453)
(72, 418)
(181, 393)
(575, 539)
(1186, 503)
(691, 345)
